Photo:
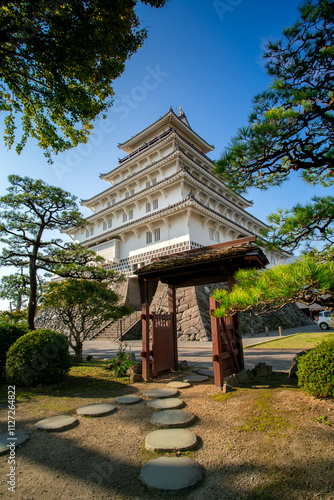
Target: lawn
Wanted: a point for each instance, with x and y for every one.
(296, 341)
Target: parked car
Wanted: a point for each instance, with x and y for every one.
(326, 320)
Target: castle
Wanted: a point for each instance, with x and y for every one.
(163, 198)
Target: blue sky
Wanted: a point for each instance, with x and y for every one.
(205, 56)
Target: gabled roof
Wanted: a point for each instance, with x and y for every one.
(206, 264)
(171, 119)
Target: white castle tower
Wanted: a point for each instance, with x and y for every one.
(164, 198)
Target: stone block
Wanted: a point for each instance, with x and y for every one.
(262, 370)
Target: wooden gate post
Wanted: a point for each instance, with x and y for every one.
(216, 346)
(172, 311)
(145, 354)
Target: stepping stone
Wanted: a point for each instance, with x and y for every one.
(160, 393)
(172, 418)
(170, 439)
(165, 404)
(171, 473)
(206, 371)
(56, 423)
(128, 400)
(96, 409)
(196, 378)
(178, 385)
(6, 441)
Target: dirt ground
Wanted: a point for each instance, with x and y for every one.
(268, 440)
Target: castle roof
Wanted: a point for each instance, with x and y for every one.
(172, 120)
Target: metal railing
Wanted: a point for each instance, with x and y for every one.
(126, 323)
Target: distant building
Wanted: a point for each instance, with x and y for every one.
(164, 198)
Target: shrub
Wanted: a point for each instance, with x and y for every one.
(316, 371)
(39, 357)
(9, 333)
(120, 364)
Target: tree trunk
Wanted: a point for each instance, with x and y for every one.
(32, 306)
(18, 306)
(78, 352)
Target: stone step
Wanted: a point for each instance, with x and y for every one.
(173, 418)
(171, 474)
(170, 440)
(165, 404)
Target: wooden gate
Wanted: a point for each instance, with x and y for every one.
(162, 343)
(227, 352)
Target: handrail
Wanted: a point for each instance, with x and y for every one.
(126, 323)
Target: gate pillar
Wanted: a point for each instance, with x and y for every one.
(172, 311)
(216, 346)
(146, 353)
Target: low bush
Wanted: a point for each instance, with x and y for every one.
(316, 371)
(9, 333)
(39, 357)
(120, 364)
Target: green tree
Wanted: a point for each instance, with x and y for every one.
(309, 280)
(30, 208)
(82, 305)
(16, 289)
(58, 60)
(291, 128)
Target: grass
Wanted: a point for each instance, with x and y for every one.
(296, 341)
(88, 379)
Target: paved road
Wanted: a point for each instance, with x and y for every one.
(200, 353)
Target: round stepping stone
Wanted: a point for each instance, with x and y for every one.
(196, 378)
(171, 473)
(160, 393)
(96, 409)
(172, 418)
(7, 442)
(178, 385)
(165, 404)
(56, 423)
(128, 400)
(170, 439)
(206, 371)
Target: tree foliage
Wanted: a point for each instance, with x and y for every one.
(291, 128)
(58, 60)
(82, 305)
(309, 280)
(16, 288)
(27, 212)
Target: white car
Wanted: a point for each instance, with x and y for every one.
(326, 320)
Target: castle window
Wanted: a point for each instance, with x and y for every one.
(148, 207)
(132, 192)
(113, 201)
(148, 184)
(87, 233)
(148, 237)
(108, 203)
(125, 217)
(157, 234)
(130, 214)
(154, 181)
(155, 204)
(211, 234)
(109, 223)
(126, 195)
(105, 226)
(92, 230)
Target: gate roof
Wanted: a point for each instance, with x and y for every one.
(202, 266)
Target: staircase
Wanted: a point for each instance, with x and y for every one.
(115, 329)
